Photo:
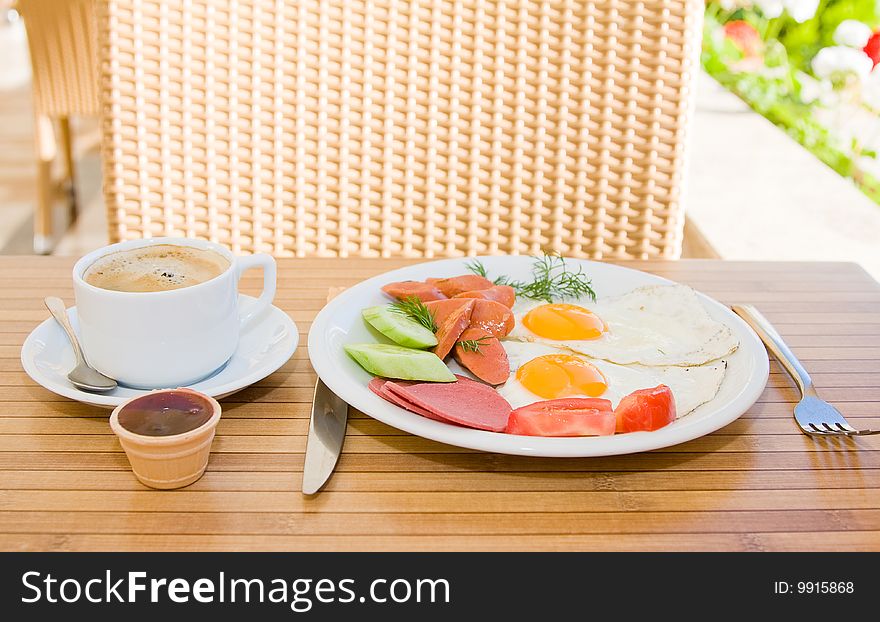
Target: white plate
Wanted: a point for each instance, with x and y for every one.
(340, 322)
(264, 346)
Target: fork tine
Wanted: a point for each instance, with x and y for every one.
(828, 430)
(845, 427)
(865, 432)
(842, 429)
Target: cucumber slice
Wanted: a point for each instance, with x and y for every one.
(399, 328)
(390, 361)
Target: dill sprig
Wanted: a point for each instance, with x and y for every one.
(415, 309)
(551, 279)
(476, 266)
(473, 345)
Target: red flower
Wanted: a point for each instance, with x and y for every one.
(744, 36)
(872, 48)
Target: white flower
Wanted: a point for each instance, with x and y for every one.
(839, 59)
(812, 90)
(853, 33)
(801, 10)
(771, 8)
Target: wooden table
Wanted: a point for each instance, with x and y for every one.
(757, 484)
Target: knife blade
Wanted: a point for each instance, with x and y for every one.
(327, 423)
(326, 435)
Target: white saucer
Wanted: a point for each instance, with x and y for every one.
(264, 346)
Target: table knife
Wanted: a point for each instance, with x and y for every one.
(326, 434)
(326, 431)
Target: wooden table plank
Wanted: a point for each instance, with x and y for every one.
(757, 484)
(357, 503)
(439, 524)
(458, 462)
(823, 541)
(485, 482)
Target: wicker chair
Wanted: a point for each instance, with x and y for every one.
(400, 127)
(64, 57)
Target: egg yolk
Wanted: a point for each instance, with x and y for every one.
(564, 321)
(561, 375)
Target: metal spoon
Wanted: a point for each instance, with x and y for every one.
(83, 375)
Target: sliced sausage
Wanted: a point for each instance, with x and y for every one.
(504, 294)
(408, 289)
(493, 317)
(451, 327)
(487, 314)
(458, 284)
(442, 308)
(489, 363)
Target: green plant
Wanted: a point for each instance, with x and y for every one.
(803, 41)
(772, 84)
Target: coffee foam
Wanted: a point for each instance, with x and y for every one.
(155, 268)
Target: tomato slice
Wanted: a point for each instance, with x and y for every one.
(646, 410)
(567, 404)
(563, 417)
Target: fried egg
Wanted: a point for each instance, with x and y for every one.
(658, 325)
(541, 372)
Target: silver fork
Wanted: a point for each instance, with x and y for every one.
(814, 416)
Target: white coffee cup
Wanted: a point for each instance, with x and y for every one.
(171, 338)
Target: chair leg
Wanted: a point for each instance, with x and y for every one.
(695, 245)
(69, 184)
(45, 147)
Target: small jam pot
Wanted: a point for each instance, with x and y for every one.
(167, 435)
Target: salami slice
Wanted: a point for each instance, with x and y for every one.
(465, 402)
(377, 386)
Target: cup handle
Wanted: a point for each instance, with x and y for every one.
(267, 262)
